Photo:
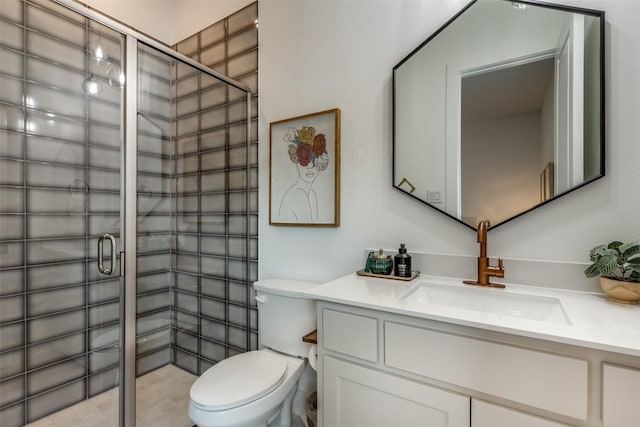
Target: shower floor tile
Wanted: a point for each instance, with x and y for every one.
(162, 397)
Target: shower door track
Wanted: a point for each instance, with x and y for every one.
(127, 388)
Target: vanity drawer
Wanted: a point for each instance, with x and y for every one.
(350, 334)
(548, 381)
(485, 414)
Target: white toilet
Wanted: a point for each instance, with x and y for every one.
(257, 388)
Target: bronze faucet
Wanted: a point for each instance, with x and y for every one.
(485, 271)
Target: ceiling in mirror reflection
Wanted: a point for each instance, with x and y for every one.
(500, 110)
(512, 90)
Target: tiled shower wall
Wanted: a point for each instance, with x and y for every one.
(60, 189)
(213, 320)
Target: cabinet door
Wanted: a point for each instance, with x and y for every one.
(485, 414)
(355, 396)
(620, 391)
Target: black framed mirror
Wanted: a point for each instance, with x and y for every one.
(501, 110)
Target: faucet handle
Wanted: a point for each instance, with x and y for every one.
(500, 266)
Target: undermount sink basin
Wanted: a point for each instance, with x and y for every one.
(490, 301)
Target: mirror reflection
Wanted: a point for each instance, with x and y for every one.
(500, 110)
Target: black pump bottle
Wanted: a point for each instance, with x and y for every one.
(402, 262)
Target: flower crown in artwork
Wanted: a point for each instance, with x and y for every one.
(305, 147)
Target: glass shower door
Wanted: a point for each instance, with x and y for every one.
(61, 215)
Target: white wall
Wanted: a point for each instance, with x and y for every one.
(513, 145)
(316, 55)
(168, 21)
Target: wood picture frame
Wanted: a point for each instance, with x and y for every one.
(304, 170)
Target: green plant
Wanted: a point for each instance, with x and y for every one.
(617, 260)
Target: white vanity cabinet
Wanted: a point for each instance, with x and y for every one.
(384, 369)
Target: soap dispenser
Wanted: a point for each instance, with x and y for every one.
(402, 261)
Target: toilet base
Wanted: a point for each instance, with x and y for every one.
(283, 417)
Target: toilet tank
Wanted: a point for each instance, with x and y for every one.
(285, 315)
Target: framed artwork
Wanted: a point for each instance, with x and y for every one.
(410, 187)
(304, 170)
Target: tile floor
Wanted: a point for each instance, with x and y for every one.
(162, 397)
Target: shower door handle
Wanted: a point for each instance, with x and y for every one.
(101, 267)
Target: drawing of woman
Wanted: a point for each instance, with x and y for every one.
(309, 153)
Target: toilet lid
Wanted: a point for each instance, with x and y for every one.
(239, 379)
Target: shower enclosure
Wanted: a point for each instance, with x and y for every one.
(128, 187)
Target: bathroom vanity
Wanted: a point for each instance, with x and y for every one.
(434, 352)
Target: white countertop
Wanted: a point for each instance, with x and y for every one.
(586, 319)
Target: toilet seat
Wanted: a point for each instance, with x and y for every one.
(238, 380)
